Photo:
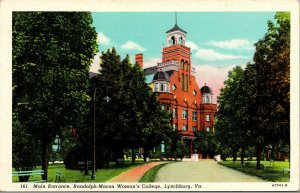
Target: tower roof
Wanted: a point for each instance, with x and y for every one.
(206, 90)
(176, 28)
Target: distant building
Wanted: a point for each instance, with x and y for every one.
(174, 81)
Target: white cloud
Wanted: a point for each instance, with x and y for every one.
(237, 44)
(212, 55)
(192, 45)
(131, 45)
(102, 39)
(96, 63)
(213, 76)
(149, 62)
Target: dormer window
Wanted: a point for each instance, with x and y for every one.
(161, 87)
(155, 87)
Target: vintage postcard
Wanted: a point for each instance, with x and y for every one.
(149, 95)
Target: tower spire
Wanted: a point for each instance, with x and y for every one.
(176, 17)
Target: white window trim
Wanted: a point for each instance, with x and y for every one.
(174, 112)
(185, 114)
(207, 118)
(156, 87)
(194, 117)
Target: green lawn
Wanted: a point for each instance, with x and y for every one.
(274, 174)
(150, 175)
(102, 175)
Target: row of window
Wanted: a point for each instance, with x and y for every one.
(207, 99)
(173, 41)
(185, 128)
(161, 87)
(185, 115)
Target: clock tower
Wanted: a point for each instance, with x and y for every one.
(177, 51)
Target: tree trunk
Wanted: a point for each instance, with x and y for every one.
(45, 149)
(242, 155)
(234, 155)
(279, 156)
(145, 154)
(258, 157)
(133, 156)
(116, 157)
(107, 157)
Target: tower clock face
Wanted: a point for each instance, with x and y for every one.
(173, 87)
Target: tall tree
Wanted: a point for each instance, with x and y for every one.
(272, 65)
(110, 127)
(151, 125)
(141, 122)
(52, 53)
(229, 130)
(259, 101)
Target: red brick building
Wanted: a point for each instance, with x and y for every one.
(174, 81)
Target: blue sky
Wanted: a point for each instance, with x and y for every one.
(219, 40)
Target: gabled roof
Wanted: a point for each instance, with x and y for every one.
(150, 70)
(176, 28)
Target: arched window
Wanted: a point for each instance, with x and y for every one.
(207, 129)
(180, 40)
(187, 66)
(173, 40)
(182, 64)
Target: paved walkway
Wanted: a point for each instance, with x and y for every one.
(135, 174)
(201, 171)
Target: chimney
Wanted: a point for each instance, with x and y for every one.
(139, 60)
